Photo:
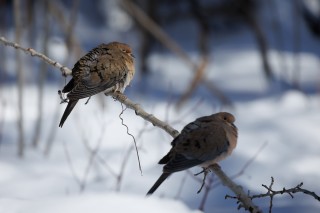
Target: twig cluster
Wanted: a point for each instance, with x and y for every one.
(272, 193)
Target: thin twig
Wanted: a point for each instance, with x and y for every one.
(197, 79)
(106, 165)
(250, 161)
(271, 193)
(20, 73)
(128, 133)
(3, 118)
(123, 166)
(91, 150)
(206, 192)
(74, 175)
(93, 154)
(126, 159)
(149, 117)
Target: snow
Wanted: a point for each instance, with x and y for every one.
(282, 120)
(98, 203)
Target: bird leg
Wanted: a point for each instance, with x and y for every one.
(202, 171)
(205, 171)
(63, 99)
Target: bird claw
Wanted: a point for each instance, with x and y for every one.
(63, 99)
(204, 170)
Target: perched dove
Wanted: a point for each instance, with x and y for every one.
(107, 68)
(203, 142)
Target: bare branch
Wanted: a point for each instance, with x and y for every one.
(237, 189)
(65, 71)
(290, 191)
(149, 117)
(271, 193)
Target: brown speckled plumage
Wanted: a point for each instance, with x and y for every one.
(106, 68)
(203, 142)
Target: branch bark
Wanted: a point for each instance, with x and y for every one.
(146, 116)
(64, 70)
(237, 189)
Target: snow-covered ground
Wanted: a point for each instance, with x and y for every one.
(74, 178)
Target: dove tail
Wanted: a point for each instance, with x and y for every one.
(67, 111)
(162, 178)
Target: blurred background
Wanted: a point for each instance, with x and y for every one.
(258, 59)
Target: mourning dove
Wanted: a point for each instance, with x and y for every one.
(107, 68)
(203, 142)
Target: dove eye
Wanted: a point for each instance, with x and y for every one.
(127, 52)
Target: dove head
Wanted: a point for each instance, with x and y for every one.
(122, 47)
(225, 116)
(229, 119)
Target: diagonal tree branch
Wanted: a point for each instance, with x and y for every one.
(65, 70)
(237, 189)
(146, 116)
